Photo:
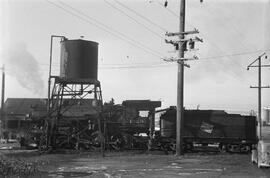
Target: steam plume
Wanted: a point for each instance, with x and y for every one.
(22, 65)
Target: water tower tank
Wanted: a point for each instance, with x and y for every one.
(79, 59)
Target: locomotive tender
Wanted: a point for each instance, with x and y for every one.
(231, 132)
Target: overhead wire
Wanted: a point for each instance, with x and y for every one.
(232, 26)
(188, 24)
(136, 67)
(168, 64)
(169, 10)
(235, 54)
(135, 20)
(105, 28)
(137, 43)
(119, 34)
(142, 16)
(202, 34)
(158, 64)
(153, 64)
(178, 17)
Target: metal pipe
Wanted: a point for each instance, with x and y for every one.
(50, 68)
(50, 72)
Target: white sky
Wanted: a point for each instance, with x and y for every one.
(128, 72)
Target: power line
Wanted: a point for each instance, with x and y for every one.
(153, 52)
(135, 67)
(135, 20)
(138, 14)
(202, 34)
(177, 16)
(169, 10)
(120, 35)
(142, 63)
(158, 64)
(232, 25)
(235, 54)
(103, 27)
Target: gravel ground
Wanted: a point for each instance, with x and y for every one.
(136, 164)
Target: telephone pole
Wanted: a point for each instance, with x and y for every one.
(181, 45)
(259, 89)
(180, 81)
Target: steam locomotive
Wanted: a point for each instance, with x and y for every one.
(131, 126)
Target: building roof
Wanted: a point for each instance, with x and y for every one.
(23, 106)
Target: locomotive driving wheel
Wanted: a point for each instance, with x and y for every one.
(117, 142)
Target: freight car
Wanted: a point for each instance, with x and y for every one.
(229, 132)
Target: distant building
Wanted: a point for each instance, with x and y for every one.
(22, 114)
(18, 112)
